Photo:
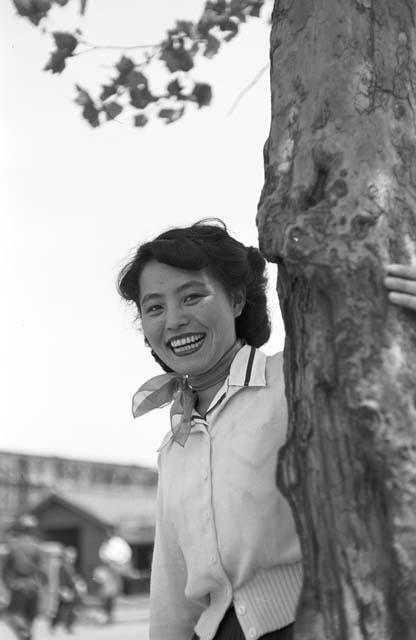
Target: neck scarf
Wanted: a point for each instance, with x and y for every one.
(183, 391)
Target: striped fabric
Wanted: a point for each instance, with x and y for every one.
(271, 598)
(230, 629)
(264, 604)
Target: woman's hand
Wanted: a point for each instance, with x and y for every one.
(401, 282)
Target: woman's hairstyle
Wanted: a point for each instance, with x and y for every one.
(208, 245)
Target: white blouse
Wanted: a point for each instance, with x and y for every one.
(224, 533)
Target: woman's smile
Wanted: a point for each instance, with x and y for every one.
(186, 344)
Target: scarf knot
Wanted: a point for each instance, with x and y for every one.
(182, 392)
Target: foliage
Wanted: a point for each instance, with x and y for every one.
(35, 10)
(129, 87)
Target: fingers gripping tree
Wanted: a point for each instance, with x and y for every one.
(339, 201)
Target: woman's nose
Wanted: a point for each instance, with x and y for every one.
(176, 318)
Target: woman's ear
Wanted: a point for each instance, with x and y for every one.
(239, 301)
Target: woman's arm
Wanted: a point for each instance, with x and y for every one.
(401, 282)
(172, 616)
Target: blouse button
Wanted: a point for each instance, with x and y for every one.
(213, 559)
(205, 475)
(241, 609)
(252, 632)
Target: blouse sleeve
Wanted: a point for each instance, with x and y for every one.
(172, 616)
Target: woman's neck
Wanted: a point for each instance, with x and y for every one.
(205, 398)
(207, 384)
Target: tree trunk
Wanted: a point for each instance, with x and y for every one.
(338, 203)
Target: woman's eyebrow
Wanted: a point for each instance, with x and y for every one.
(150, 296)
(180, 289)
(191, 283)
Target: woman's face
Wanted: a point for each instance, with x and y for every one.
(187, 317)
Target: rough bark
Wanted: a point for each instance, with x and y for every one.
(338, 203)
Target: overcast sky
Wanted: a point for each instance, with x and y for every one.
(76, 201)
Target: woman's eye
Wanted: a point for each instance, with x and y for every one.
(193, 297)
(154, 309)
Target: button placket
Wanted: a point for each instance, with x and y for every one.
(207, 515)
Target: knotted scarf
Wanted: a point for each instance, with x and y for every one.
(183, 391)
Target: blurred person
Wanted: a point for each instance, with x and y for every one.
(109, 585)
(24, 576)
(69, 591)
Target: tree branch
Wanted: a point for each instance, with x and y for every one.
(119, 46)
(248, 88)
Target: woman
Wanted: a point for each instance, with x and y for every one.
(68, 591)
(227, 560)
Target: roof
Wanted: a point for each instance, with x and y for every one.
(151, 471)
(131, 512)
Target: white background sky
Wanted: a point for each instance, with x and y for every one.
(76, 201)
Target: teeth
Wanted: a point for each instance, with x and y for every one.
(189, 340)
(187, 347)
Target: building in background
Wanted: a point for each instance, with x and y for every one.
(80, 503)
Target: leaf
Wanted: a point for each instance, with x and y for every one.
(236, 5)
(207, 21)
(229, 25)
(23, 7)
(89, 111)
(135, 78)
(41, 7)
(212, 46)
(61, 3)
(112, 110)
(56, 62)
(194, 49)
(202, 94)
(108, 91)
(83, 6)
(171, 115)
(220, 6)
(125, 65)
(236, 9)
(83, 98)
(174, 88)
(175, 56)
(187, 27)
(140, 98)
(91, 114)
(140, 120)
(34, 10)
(255, 9)
(65, 41)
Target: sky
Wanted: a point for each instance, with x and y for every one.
(76, 201)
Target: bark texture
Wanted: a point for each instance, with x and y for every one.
(339, 202)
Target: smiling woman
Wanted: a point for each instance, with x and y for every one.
(222, 566)
(227, 560)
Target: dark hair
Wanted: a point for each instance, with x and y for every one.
(208, 245)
